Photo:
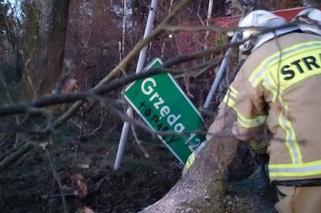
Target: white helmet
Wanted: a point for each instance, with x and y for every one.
(261, 18)
(309, 20)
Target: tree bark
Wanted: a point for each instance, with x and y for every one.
(45, 36)
(202, 188)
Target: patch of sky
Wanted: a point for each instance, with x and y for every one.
(15, 7)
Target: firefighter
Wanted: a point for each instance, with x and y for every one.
(278, 88)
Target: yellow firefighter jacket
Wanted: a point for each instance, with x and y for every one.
(279, 86)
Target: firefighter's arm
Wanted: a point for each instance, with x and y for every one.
(223, 122)
(256, 138)
(250, 109)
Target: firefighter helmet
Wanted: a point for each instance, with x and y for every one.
(261, 19)
(309, 20)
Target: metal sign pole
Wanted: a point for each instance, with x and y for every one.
(220, 74)
(140, 65)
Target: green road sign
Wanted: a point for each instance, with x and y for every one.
(164, 107)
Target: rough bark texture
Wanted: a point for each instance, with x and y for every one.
(44, 46)
(215, 182)
(202, 188)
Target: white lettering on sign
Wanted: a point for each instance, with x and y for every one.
(147, 82)
(164, 111)
(196, 141)
(158, 103)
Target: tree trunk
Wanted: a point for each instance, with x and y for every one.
(45, 37)
(202, 188)
(208, 185)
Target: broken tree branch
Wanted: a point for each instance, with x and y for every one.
(14, 156)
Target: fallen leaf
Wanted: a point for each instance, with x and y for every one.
(79, 186)
(70, 86)
(84, 210)
(88, 210)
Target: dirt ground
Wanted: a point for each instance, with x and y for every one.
(29, 184)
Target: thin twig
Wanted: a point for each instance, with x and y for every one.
(53, 169)
(139, 142)
(63, 77)
(67, 98)
(97, 128)
(198, 69)
(10, 99)
(212, 28)
(108, 103)
(14, 156)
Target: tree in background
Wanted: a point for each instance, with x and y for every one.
(44, 36)
(88, 36)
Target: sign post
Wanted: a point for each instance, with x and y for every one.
(166, 109)
(140, 65)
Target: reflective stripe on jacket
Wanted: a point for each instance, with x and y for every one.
(279, 85)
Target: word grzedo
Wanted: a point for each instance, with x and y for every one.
(147, 87)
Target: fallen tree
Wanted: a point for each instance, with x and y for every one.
(202, 188)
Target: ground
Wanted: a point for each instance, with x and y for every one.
(29, 185)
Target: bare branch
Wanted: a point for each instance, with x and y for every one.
(123, 64)
(69, 98)
(14, 156)
(63, 78)
(211, 28)
(139, 142)
(53, 169)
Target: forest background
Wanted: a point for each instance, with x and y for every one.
(64, 47)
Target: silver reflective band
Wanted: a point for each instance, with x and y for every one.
(296, 171)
